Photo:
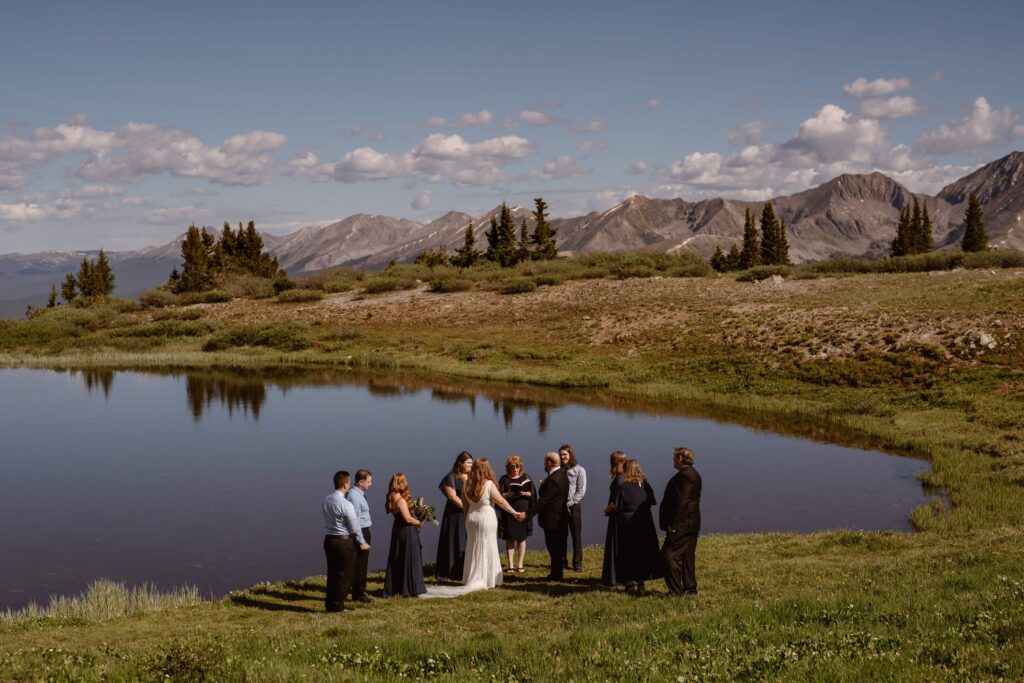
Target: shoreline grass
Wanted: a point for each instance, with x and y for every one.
(899, 373)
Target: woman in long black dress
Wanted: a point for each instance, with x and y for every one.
(519, 490)
(451, 546)
(611, 539)
(405, 555)
(638, 557)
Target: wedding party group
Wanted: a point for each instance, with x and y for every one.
(480, 509)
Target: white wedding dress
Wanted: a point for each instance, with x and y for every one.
(482, 568)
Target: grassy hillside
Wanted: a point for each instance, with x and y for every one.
(924, 364)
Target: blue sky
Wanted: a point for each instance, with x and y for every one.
(122, 122)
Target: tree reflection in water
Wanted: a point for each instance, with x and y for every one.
(231, 391)
(98, 379)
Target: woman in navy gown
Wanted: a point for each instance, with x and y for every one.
(611, 543)
(405, 555)
(451, 544)
(519, 490)
(638, 556)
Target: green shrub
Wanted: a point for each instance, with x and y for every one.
(548, 280)
(167, 328)
(178, 314)
(248, 287)
(284, 336)
(158, 297)
(214, 296)
(382, 284)
(296, 296)
(519, 285)
(123, 305)
(758, 273)
(451, 285)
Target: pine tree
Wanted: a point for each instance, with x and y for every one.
(523, 248)
(493, 236)
(69, 288)
(925, 241)
(750, 255)
(718, 260)
(86, 280)
(901, 243)
(52, 301)
(507, 227)
(975, 236)
(771, 246)
(467, 255)
(916, 223)
(543, 238)
(733, 258)
(782, 245)
(195, 275)
(104, 276)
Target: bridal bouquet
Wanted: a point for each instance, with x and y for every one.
(424, 511)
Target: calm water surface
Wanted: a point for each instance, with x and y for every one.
(216, 480)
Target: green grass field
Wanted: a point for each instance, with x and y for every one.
(890, 361)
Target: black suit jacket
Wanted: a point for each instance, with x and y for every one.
(680, 507)
(550, 504)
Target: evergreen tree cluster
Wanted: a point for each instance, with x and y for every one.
(507, 244)
(913, 231)
(205, 256)
(769, 247)
(975, 236)
(93, 282)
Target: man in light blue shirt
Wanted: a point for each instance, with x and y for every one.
(342, 535)
(357, 496)
(577, 489)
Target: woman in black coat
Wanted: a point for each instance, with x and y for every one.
(611, 539)
(638, 558)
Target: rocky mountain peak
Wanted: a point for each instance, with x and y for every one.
(989, 182)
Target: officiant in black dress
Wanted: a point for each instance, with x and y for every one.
(519, 490)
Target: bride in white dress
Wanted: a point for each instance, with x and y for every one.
(482, 568)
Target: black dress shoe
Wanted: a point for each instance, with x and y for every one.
(340, 610)
(363, 598)
(552, 577)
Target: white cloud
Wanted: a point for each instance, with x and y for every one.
(637, 168)
(891, 108)
(307, 166)
(349, 133)
(23, 212)
(654, 104)
(592, 145)
(136, 201)
(591, 127)
(879, 87)
(422, 200)
(375, 136)
(92, 192)
(466, 119)
(436, 156)
(563, 167)
(746, 134)
(537, 118)
(982, 128)
(834, 135)
(181, 215)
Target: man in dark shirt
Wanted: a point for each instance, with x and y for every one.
(552, 513)
(680, 519)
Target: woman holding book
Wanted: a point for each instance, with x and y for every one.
(451, 544)
(519, 490)
(405, 555)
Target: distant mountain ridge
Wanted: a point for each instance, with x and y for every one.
(850, 215)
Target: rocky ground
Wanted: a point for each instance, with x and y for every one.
(958, 314)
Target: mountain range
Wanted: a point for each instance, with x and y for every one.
(850, 215)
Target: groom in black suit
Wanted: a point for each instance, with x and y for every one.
(680, 519)
(552, 513)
